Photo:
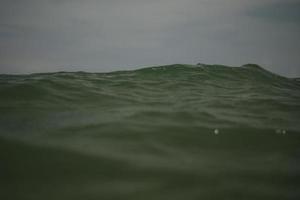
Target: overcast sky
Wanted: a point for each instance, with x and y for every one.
(107, 35)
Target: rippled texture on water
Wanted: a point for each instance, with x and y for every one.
(169, 132)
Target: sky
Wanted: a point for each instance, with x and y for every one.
(107, 35)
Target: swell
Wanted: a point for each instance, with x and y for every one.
(207, 96)
(168, 132)
(155, 78)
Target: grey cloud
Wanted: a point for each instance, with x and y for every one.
(38, 36)
(281, 11)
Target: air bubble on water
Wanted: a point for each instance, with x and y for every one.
(278, 131)
(216, 131)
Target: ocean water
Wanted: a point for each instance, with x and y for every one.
(158, 133)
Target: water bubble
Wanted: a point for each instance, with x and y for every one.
(280, 131)
(216, 131)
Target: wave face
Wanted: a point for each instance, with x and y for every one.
(167, 132)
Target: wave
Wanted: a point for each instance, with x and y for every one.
(162, 132)
(206, 96)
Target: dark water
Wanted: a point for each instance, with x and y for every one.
(171, 132)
